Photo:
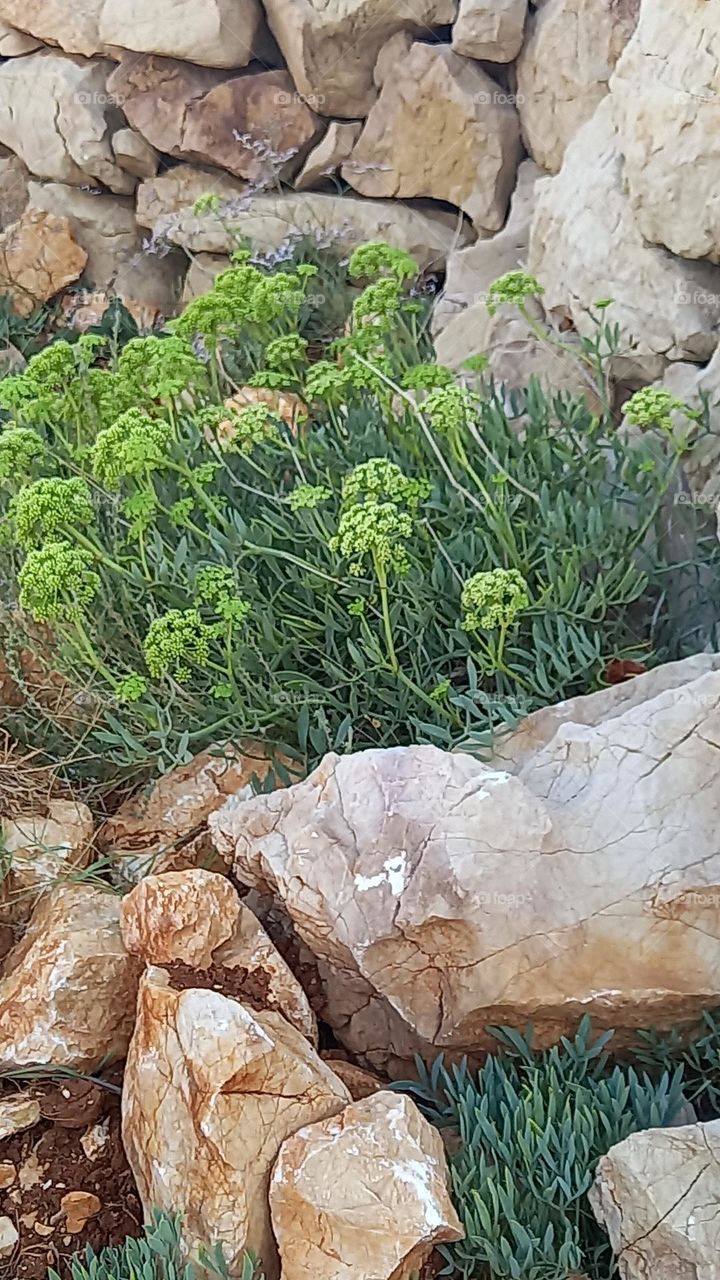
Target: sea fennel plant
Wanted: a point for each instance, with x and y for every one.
(158, 1255)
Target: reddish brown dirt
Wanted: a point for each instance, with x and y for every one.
(49, 1161)
(249, 986)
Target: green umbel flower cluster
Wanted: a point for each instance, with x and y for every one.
(427, 377)
(243, 295)
(652, 407)
(449, 408)
(514, 287)
(160, 368)
(378, 305)
(20, 447)
(132, 688)
(377, 259)
(50, 507)
(177, 642)
(283, 355)
(378, 478)
(57, 582)
(325, 381)
(306, 497)
(215, 585)
(380, 506)
(133, 446)
(493, 599)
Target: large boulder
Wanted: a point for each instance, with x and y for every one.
(39, 256)
(431, 95)
(666, 91)
(490, 29)
(570, 50)
(176, 190)
(585, 246)
(211, 1091)
(657, 1195)
(363, 1195)
(56, 114)
(331, 48)
(441, 895)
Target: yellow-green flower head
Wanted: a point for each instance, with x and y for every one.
(652, 407)
(514, 287)
(20, 447)
(57, 583)
(493, 599)
(133, 446)
(132, 688)
(427, 377)
(251, 426)
(306, 497)
(177, 642)
(53, 366)
(378, 530)
(377, 258)
(449, 408)
(207, 203)
(50, 507)
(160, 368)
(213, 582)
(286, 353)
(325, 381)
(378, 479)
(377, 305)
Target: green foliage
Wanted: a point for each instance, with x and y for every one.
(406, 560)
(157, 1256)
(699, 1058)
(531, 1128)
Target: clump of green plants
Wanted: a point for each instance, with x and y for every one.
(235, 529)
(698, 1057)
(156, 1256)
(531, 1128)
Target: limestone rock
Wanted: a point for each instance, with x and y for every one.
(441, 895)
(216, 33)
(344, 222)
(177, 189)
(14, 44)
(162, 829)
(86, 308)
(134, 154)
(362, 1195)
(666, 94)
(211, 1091)
(701, 462)
(359, 1082)
(55, 113)
(585, 246)
(202, 274)
(17, 1113)
(331, 48)
(571, 47)
(9, 1237)
(14, 183)
(41, 850)
(68, 995)
(253, 125)
(657, 1195)
(330, 153)
(441, 128)
(490, 29)
(38, 258)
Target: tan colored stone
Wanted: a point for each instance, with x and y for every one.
(180, 915)
(441, 128)
(570, 49)
(134, 154)
(396, 48)
(255, 126)
(330, 153)
(8, 1175)
(657, 1195)
(331, 48)
(362, 1195)
(78, 1208)
(43, 850)
(17, 1113)
(202, 273)
(666, 96)
(8, 1237)
(68, 995)
(358, 1082)
(585, 246)
(55, 114)
(83, 309)
(441, 895)
(177, 190)
(38, 258)
(14, 44)
(211, 1091)
(284, 404)
(14, 184)
(490, 29)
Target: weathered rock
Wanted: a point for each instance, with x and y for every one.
(86, 308)
(163, 829)
(666, 95)
(570, 49)
(202, 273)
(330, 153)
(55, 113)
(14, 44)
(218, 33)
(585, 246)
(431, 96)
(134, 154)
(441, 895)
(17, 1113)
(362, 1195)
(254, 125)
(657, 1195)
(38, 258)
(205, 1144)
(68, 995)
(342, 221)
(358, 1082)
(9, 1237)
(14, 182)
(701, 462)
(42, 850)
(490, 29)
(78, 1208)
(178, 189)
(331, 49)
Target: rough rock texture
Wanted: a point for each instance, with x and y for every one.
(196, 918)
(666, 92)
(253, 125)
(331, 48)
(18, 1112)
(68, 994)
(55, 113)
(657, 1195)
(585, 246)
(202, 274)
(171, 192)
(570, 49)
(14, 180)
(701, 463)
(345, 222)
(134, 154)
(363, 1195)
(41, 850)
(442, 128)
(38, 258)
(333, 149)
(204, 1145)
(441, 895)
(219, 33)
(163, 829)
(13, 44)
(359, 1082)
(490, 29)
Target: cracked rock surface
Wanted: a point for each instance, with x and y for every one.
(441, 895)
